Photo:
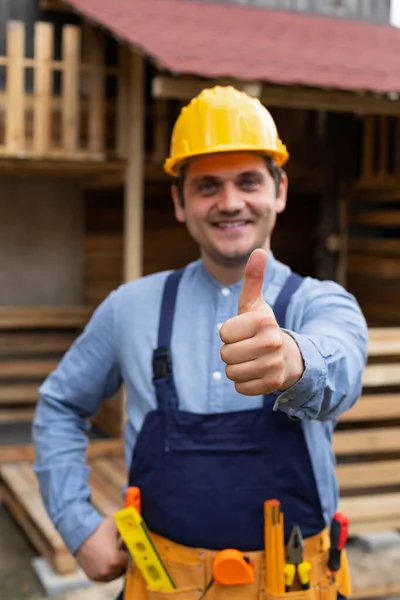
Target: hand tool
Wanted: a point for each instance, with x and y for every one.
(274, 547)
(136, 536)
(338, 535)
(133, 497)
(295, 561)
(232, 567)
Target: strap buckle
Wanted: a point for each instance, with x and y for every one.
(162, 363)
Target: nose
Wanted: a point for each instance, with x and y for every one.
(230, 199)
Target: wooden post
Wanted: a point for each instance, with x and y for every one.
(133, 217)
(15, 130)
(71, 79)
(160, 130)
(123, 101)
(96, 91)
(383, 147)
(44, 33)
(368, 148)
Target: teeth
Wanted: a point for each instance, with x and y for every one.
(225, 224)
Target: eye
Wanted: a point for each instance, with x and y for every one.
(207, 188)
(249, 183)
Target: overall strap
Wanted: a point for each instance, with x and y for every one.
(280, 307)
(162, 364)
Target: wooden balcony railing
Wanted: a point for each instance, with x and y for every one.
(58, 109)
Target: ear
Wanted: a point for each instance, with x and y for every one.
(280, 203)
(179, 209)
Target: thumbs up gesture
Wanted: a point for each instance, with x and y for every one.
(260, 358)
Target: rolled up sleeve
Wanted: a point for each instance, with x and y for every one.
(88, 374)
(332, 336)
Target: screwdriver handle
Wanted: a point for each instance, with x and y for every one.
(338, 535)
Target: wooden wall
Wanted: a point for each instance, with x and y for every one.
(373, 221)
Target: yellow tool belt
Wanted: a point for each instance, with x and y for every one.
(191, 569)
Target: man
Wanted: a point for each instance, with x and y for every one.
(235, 371)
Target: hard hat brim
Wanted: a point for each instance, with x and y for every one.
(172, 165)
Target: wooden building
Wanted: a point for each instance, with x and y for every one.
(87, 105)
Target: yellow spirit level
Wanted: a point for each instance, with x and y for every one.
(137, 539)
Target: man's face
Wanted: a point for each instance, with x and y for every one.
(230, 205)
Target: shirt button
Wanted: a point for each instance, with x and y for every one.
(219, 325)
(217, 375)
(226, 291)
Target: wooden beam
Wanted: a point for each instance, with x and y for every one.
(185, 88)
(26, 452)
(44, 33)
(133, 220)
(96, 90)
(374, 407)
(160, 131)
(54, 6)
(71, 81)
(122, 132)
(14, 122)
(31, 317)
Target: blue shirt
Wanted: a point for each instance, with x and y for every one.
(116, 347)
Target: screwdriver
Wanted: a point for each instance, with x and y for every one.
(338, 535)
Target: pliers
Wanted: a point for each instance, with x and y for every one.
(295, 561)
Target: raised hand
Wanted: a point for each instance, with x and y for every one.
(260, 358)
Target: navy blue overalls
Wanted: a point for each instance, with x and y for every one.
(204, 478)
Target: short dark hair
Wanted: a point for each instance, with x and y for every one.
(273, 169)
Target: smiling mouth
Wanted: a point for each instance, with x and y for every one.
(230, 224)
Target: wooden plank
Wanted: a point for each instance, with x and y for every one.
(381, 375)
(105, 499)
(123, 101)
(30, 342)
(16, 478)
(384, 267)
(26, 369)
(70, 92)
(373, 312)
(376, 593)
(26, 452)
(20, 393)
(54, 6)
(366, 441)
(107, 471)
(374, 246)
(96, 91)
(17, 415)
(364, 509)
(362, 475)
(134, 193)
(44, 34)
(14, 121)
(61, 560)
(44, 317)
(376, 218)
(383, 145)
(373, 408)
(160, 131)
(383, 341)
(368, 146)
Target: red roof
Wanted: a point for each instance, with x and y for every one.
(247, 43)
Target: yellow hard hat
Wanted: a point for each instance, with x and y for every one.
(223, 119)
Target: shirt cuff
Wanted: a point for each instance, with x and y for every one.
(78, 522)
(307, 391)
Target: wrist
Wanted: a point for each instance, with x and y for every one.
(293, 361)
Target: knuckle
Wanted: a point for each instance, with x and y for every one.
(224, 354)
(229, 372)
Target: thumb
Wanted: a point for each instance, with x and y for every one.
(251, 295)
